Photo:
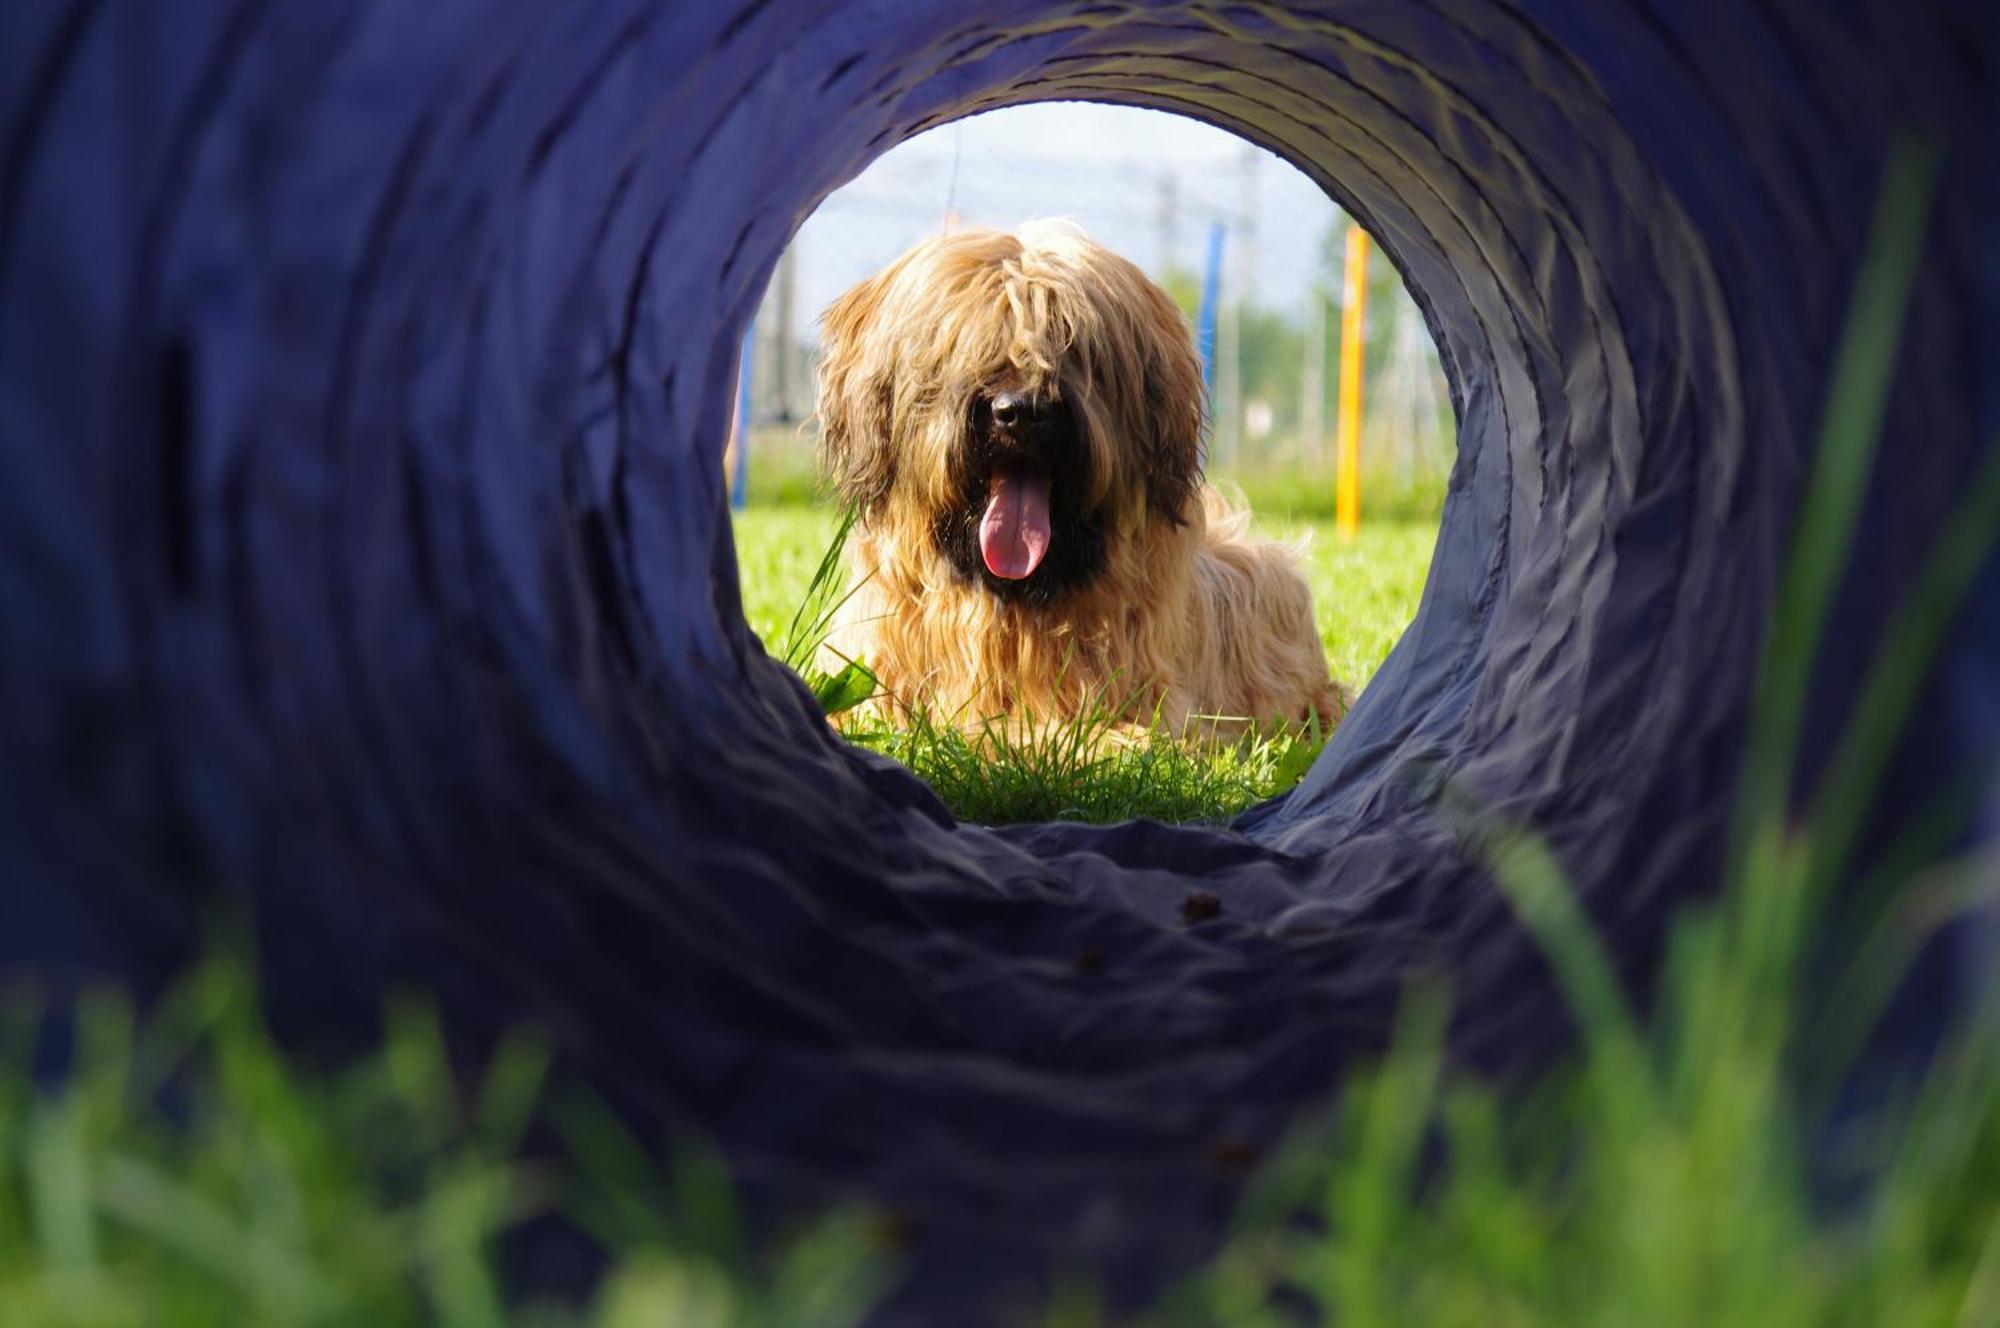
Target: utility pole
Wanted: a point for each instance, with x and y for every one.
(1242, 278)
(1229, 374)
(781, 334)
(1312, 382)
(1246, 223)
(1168, 221)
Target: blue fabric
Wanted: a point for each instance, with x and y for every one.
(364, 377)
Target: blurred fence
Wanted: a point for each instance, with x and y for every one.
(1278, 322)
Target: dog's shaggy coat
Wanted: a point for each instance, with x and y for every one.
(1017, 419)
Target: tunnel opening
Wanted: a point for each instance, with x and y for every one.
(1263, 268)
(1509, 400)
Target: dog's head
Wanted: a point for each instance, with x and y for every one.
(1019, 399)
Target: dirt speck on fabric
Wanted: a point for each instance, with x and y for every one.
(1200, 907)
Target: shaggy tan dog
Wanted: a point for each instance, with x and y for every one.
(1017, 419)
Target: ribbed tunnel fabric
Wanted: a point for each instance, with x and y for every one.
(364, 376)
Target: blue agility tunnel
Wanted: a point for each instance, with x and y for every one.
(365, 559)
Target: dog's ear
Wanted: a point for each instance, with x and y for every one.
(855, 384)
(1174, 412)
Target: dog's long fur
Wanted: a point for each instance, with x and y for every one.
(1150, 599)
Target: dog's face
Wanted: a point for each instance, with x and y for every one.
(1020, 401)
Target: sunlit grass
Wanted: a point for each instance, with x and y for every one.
(1365, 591)
(777, 548)
(1083, 769)
(1364, 594)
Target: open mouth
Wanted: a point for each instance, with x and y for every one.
(1014, 530)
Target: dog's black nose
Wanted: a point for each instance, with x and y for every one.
(1012, 408)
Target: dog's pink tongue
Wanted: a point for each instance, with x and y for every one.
(1014, 533)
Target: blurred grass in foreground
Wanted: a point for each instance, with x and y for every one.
(186, 1171)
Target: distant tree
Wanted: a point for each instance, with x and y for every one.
(1185, 287)
(1273, 351)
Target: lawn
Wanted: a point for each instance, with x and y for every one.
(1364, 592)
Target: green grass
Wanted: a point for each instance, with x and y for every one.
(185, 1171)
(1288, 492)
(1364, 594)
(1659, 1179)
(778, 546)
(1079, 771)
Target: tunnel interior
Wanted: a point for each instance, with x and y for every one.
(366, 373)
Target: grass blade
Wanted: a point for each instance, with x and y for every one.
(1823, 539)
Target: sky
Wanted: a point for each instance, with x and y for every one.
(1101, 166)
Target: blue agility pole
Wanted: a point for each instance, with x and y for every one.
(1211, 283)
(739, 484)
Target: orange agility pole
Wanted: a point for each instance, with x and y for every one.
(1347, 436)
